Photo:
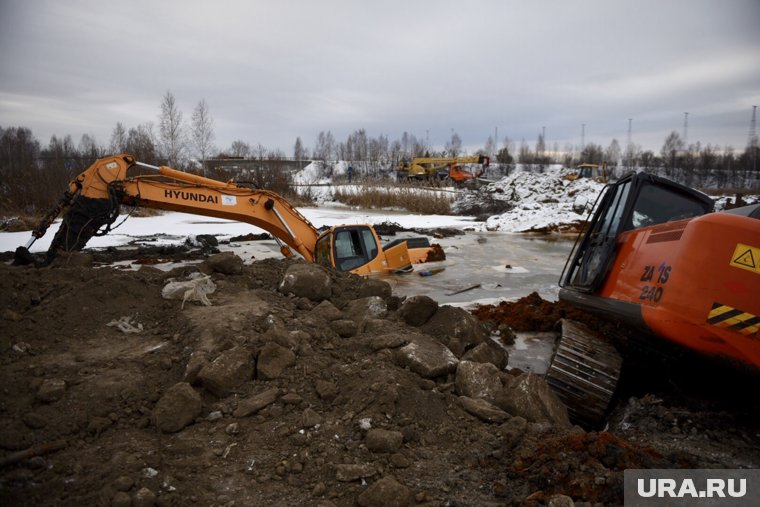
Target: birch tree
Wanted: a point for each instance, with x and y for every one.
(202, 133)
(171, 131)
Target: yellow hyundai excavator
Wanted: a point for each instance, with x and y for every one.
(426, 168)
(92, 202)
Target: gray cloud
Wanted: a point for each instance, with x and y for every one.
(271, 71)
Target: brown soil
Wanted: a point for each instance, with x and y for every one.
(531, 313)
(81, 396)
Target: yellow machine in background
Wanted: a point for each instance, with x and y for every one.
(594, 171)
(427, 168)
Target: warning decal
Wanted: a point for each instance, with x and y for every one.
(731, 318)
(746, 257)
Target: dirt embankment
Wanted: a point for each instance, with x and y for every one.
(271, 398)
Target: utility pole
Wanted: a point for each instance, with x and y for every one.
(629, 145)
(752, 138)
(583, 141)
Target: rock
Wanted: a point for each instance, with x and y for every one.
(327, 311)
(488, 352)
(273, 360)
(398, 460)
(480, 380)
(281, 336)
(426, 357)
(291, 399)
(123, 483)
(385, 492)
(178, 407)
(144, 498)
(483, 410)
(319, 489)
(560, 501)
(309, 418)
(354, 472)
(51, 390)
(363, 309)
(529, 396)
(383, 441)
(374, 287)
(226, 263)
(326, 390)
(387, 341)
(417, 310)
(252, 405)
(232, 368)
(455, 328)
(206, 240)
(344, 328)
(512, 432)
(121, 499)
(307, 280)
(198, 360)
(97, 425)
(35, 420)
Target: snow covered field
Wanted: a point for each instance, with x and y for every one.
(174, 228)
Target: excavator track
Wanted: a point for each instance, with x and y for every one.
(584, 373)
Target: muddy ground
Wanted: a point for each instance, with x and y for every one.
(268, 397)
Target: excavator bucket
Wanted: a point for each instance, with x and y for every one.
(584, 372)
(23, 257)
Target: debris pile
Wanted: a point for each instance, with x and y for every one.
(298, 386)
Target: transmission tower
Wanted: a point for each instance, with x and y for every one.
(686, 131)
(583, 137)
(752, 138)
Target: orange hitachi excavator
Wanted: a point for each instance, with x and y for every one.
(656, 260)
(93, 198)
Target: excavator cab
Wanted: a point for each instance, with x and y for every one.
(357, 248)
(346, 247)
(635, 201)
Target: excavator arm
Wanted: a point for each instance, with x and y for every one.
(94, 197)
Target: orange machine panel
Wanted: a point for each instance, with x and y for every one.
(697, 282)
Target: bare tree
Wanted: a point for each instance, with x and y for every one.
(325, 146)
(240, 148)
(89, 149)
(141, 142)
(299, 152)
(613, 153)
(454, 145)
(203, 132)
(171, 131)
(118, 139)
(671, 147)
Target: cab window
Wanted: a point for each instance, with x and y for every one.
(323, 251)
(354, 247)
(657, 204)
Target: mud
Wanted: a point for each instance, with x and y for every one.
(82, 403)
(532, 313)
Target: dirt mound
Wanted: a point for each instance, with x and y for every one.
(115, 396)
(532, 313)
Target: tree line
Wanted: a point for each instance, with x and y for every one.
(32, 175)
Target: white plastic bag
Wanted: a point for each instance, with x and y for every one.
(195, 289)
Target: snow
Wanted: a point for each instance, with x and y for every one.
(175, 228)
(541, 201)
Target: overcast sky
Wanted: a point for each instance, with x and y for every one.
(274, 70)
